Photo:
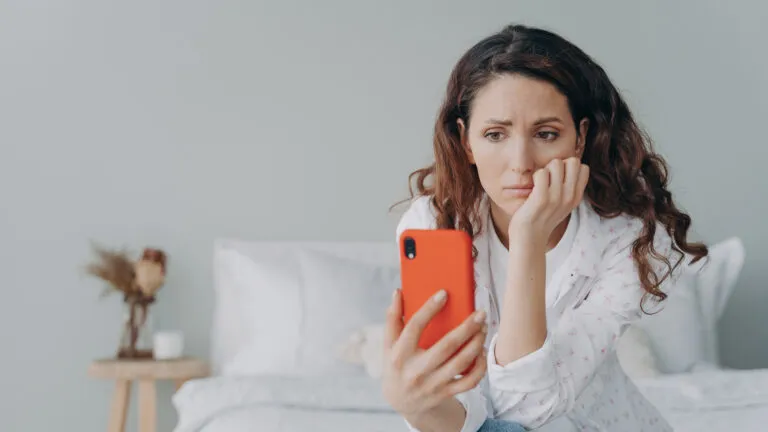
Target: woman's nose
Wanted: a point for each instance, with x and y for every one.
(520, 156)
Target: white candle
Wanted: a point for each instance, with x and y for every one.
(168, 345)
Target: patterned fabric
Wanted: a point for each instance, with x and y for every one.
(575, 375)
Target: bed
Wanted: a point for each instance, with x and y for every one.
(715, 400)
(294, 344)
(718, 400)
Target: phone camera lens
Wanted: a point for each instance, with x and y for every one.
(410, 247)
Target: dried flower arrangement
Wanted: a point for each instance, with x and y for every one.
(138, 281)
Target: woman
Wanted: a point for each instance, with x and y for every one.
(539, 159)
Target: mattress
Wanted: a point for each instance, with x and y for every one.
(717, 400)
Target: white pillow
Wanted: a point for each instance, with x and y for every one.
(676, 327)
(683, 333)
(284, 308)
(715, 283)
(340, 295)
(240, 273)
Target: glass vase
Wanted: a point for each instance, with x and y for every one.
(136, 330)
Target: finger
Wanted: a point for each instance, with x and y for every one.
(449, 344)
(460, 362)
(409, 339)
(540, 185)
(470, 380)
(570, 188)
(394, 324)
(583, 180)
(556, 175)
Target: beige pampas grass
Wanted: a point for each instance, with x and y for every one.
(114, 268)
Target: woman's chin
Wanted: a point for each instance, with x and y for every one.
(509, 205)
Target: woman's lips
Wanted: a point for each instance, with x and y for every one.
(516, 191)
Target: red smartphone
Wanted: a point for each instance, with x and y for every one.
(434, 260)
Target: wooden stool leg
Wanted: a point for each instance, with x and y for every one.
(119, 409)
(147, 406)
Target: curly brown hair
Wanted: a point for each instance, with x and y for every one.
(626, 175)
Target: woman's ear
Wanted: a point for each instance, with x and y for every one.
(464, 141)
(581, 140)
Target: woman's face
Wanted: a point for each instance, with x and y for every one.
(517, 126)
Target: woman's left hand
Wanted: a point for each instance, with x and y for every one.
(557, 190)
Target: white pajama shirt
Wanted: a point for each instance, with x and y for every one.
(574, 381)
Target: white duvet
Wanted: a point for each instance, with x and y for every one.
(719, 400)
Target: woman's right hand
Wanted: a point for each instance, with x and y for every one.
(416, 381)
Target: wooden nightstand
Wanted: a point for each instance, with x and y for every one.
(146, 372)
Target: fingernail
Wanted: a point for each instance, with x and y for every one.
(484, 329)
(395, 293)
(480, 316)
(440, 296)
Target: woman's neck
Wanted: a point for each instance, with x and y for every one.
(501, 224)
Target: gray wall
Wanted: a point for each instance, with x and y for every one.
(169, 123)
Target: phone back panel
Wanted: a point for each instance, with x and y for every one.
(442, 260)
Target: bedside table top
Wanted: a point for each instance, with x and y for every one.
(128, 369)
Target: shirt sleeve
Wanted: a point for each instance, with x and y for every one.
(421, 216)
(545, 384)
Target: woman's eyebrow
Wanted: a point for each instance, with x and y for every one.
(507, 122)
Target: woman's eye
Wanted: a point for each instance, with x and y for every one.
(494, 136)
(548, 135)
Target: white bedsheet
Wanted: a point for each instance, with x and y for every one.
(275, 419)
(719, 400)
(284, 404)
